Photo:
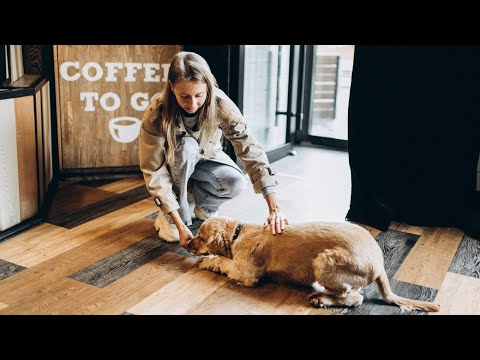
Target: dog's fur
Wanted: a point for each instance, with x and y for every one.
(337, 259)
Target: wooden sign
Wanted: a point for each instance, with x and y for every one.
(102, 92)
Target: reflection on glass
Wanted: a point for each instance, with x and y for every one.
(331, 91)
(265, 92)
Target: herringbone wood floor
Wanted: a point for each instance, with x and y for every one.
(98, 253)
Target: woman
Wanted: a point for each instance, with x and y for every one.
(181, 154)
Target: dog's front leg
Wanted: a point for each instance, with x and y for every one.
(228, 267)
(216, 264)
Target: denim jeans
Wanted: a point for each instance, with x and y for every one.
(211, 183)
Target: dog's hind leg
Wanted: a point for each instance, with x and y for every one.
(338, 286)
(321, 299)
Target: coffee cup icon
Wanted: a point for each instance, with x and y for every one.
(124, 129)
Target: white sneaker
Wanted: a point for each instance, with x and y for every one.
(167, 230)
(204, 214)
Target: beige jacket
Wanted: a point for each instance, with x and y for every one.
(233, 126)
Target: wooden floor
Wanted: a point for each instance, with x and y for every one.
(99, 254)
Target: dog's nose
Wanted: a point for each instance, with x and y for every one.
(190, 245)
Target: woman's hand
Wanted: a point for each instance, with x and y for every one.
(185, 235)
(183, 231)
(277, 219)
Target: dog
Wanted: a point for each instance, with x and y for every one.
(336, 259)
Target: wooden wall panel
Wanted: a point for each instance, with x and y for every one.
(9, 195)
(47, 135)
(16, 62)
(57, 107)
(27, 156)
(87, 140)
(39, 126)
(32, 59)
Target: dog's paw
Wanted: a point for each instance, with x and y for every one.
(205, 264)
(354, 299)
(209, 264)
(246, 283)
(319, 300)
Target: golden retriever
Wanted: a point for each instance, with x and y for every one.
(337, 259)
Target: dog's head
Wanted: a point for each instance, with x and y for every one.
(213, 238)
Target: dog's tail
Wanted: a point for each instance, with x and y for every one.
(403, 303)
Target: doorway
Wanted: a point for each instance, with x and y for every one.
(328, 76)
(269, 95)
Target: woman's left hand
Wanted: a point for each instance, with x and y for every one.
(277, 219)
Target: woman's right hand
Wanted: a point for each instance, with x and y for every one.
(185, 236)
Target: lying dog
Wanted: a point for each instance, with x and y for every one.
(337, 259)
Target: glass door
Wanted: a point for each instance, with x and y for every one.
(328, 77)
(270, 75)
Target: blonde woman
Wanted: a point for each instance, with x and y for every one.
(181, 153)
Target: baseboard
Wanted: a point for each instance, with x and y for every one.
(100, 173)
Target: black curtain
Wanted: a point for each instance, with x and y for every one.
(414, 135)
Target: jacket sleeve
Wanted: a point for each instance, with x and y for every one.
(154, 167)
(247, 148)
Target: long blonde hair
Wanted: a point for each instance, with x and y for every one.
(188, 66)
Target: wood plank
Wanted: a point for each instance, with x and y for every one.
(117, 265)
(123, 185)
(417, 230)
(395, 245)
(428, 262)
(8, 269)
(467, 258)
(58, 101)
(100, 208)
(178, 296)
(44, 299)
(269, 299)
(33, 247)
(27, 156)
(26, 235)
(124, 293)
(71, 197)
(9, 194)
(40, 155)
(25, 81)
(47, 135)
(85, 247)
(459, 295)
(3, 306)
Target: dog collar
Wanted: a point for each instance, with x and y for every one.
(237, 230)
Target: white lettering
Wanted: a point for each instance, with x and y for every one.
(131, 70)
(64, 70)
(165, 68)
(116, 101)
(143, 104)
(89, 96)
(86, 71)
(112, 69)
(150, 71)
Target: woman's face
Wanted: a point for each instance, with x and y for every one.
(190, 95)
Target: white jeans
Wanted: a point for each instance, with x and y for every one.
(211, 183)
